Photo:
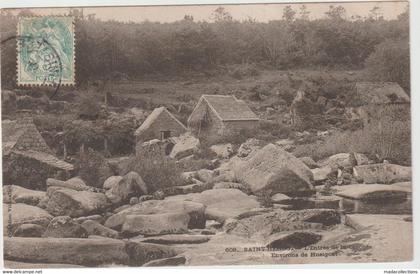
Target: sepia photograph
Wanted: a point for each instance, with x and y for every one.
(206, 135)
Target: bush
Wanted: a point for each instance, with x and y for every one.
(158, 171)
(89, 107)
(243, 70)
(391, 62)
(386, 139)
(93, 168)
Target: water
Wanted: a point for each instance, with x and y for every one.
(379, 206)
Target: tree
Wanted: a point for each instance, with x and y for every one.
(304, 13)
(391, 62)
(221, 15)
(375, 13)
(288, 13)
(336, 13)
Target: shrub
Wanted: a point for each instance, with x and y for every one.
(385, 139)
(93, 168)
(244, 70)
(89, 107)
(158, 171)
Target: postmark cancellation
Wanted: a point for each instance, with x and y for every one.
(45, 47)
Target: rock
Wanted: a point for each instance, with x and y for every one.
(87, 252)
(323, 216)
(97, 218)
(273, 170)
(278, 220)
(174, 239)
(76, 183)
(188, 176)
(134, 200)
(131, 185)
(17, 194)
(382, 173)
(296, 240)
(185, 145)
(222, 151)
(205, 175)
(172, 261)
(372, 192)
(230, 185)
(146, 198)
(360, 159)
(95, 228)
(309, 162)
(111, 181)
(64, 227)
(156, 224)
(344, 160)
(29, 230)
(286, 144)
(15, 215)
(192, 188)
(194, 210)
(222, 204)
(141, 253)
(74, 203)
(249, 147)
(58, 183)
(230, 224)
(280, 198)
(321, 174)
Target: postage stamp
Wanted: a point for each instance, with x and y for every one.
(46, 50)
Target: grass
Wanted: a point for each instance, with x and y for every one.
(385, 139)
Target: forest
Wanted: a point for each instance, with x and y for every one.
(112, 50)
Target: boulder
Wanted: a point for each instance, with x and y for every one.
(111, 181)
(360, 159)
(266, 224)
(286, 144)
(87, 252)
(76, 183)
(155, 224)
(335, 161)
(309, 162)
(97, 218)
(250, 146)
(231, 185)
(372, 192)
(185, 145)
(205, 175)
(29, 230)
(221, 204)
(64, 227)
(17, 194)
(321, 174)
(63, 201)
(295, 240)
(188, 176)
(382, 173)
(174, 239)
(134, 200)
(15, 215)
(58, 183)
(223, 151)
(172, 261)
(131, 185)
(194, 210)
(273, 170)
(280, 198)
(95, 228)
(192, 188)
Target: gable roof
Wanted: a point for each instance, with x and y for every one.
(46, 158)
(19, 135)
(153, 117)
(228, 108)
(380, 93)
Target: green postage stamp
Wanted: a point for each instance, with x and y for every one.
(45, 50)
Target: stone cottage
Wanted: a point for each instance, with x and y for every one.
(377, 100)
(160, 124)
(216, 116)
(27, 159)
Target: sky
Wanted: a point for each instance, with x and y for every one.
(259, 12)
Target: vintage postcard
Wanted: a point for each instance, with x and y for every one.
(206, 135)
